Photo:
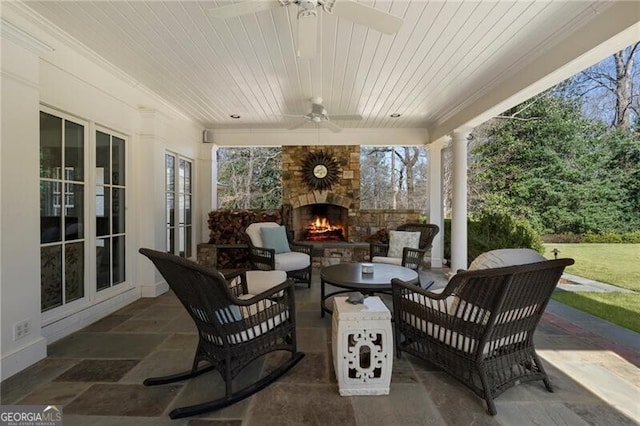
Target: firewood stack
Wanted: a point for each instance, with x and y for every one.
(225, 227)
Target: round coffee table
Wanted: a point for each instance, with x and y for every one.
(350, 277)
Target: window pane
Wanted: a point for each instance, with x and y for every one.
(171, 240)
(187, 177)
(50, 212)
(118, 211)
(187, 209)
(73, 271)
(103, 263)
(187, 231)
(103, 173)
(74, 212)
(103, 210)
(50, 146)
(181, 209)
(74, 151)
(170, 173)
(118, 260)
(171, 220)
(118, 161)
(181, 177)
(181, 241)
(50, 277)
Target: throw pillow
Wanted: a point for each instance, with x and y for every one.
(398, 240)
(505, 257)
(275, 238)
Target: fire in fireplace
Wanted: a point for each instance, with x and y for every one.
(320, 229)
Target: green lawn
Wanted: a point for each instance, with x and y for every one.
(616, 264)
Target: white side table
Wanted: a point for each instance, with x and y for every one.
(362, 346)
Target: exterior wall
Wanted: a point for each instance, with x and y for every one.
(41, 68)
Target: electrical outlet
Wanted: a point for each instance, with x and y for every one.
(21, 329)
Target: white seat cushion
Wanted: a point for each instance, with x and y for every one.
(457, 340)
(236, 313)
(253, 231)
(391, 260)
(261, 281)
(292, 261)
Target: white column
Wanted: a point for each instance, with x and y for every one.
(19, 201)
(435, 201)
(208, 179)
(151, 225)
(459, 201)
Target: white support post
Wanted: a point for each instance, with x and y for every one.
(459, 201)
(435, 201)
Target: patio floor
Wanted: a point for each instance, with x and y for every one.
(97, 374)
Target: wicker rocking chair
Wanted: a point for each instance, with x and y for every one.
(234, 327)
(480, 327)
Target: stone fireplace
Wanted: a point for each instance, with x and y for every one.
(322, 216)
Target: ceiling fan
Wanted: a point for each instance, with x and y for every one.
(319, 116)
(308, 17)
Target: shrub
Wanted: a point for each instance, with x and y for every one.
(490, 231)
(612, 238)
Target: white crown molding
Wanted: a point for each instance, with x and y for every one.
(23, 39)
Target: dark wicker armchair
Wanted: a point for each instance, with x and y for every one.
(480, 327)
(234, 327)
(411, 257)
(297, 263)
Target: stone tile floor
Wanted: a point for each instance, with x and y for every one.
(97, 374)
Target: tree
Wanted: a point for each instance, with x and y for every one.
(393, 178)
(250, 178)
(609, 90)
(544, 161)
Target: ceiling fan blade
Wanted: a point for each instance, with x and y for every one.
(299, 124)
(329, 125)
(346, 117)
(307, 34)
(244, 8)
(367, 16)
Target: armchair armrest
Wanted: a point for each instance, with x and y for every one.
(237, 282)
(378, 249)
(262, 258)
(301, 247)
(412, 257)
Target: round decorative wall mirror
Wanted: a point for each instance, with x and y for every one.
(320, 170)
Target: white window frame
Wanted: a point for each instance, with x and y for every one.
(176, 193)
(91, 295)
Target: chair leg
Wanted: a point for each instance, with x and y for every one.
(153, 381)
(546, 381)
(239, 395)
(491, 406)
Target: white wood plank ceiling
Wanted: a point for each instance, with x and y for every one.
(446, 55)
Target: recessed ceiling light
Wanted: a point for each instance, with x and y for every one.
(394, 115)
(234, 116)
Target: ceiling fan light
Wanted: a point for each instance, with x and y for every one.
(316, 119)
